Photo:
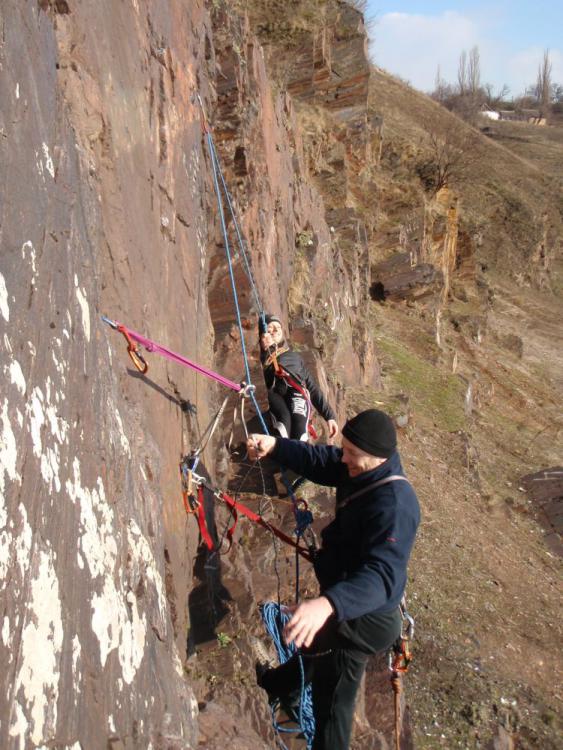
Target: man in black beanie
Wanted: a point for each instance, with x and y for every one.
(361, 568)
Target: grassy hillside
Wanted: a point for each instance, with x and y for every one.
(483, 410)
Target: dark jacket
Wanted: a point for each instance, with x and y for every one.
(293, 363)
(362, 565)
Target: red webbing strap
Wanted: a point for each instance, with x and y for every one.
(236, 506)
(203, 530)
(280, 372)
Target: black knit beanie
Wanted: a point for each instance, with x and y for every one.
(372, 431)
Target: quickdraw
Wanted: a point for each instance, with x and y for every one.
(193, 486)
(133, 338)
(133, 350)
(399, 659)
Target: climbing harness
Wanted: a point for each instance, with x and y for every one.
(275, 617)
(399, 658)
(293, 382)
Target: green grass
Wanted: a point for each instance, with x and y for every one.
(432, 394)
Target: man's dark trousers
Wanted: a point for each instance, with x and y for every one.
(334, 664)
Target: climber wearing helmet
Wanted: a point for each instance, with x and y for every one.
(291, 387)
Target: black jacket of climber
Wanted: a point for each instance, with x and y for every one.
(362, 565)
(292, 362)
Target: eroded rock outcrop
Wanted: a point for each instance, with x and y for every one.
(110, 210)
(102, 154)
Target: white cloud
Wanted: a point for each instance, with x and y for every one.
(412, 46)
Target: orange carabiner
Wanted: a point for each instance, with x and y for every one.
(133, 351)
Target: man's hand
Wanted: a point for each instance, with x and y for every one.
(307, 620)
(259, 446)
(332, 428)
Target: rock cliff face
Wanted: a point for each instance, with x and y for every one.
(110, 210)
(118, 629)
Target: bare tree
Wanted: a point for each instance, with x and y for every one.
(474, 71)
(543, 85)
(453, 153)
(492, 98)
(462, 80)
(440, 87)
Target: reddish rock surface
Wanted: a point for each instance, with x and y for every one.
(108, 603)
(545, 488)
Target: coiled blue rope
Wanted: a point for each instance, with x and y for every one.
(275, 619)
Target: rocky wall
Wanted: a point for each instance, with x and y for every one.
(110, 210)
(102, 156)
(310, 257)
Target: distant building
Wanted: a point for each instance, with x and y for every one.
(489, 113)
(531, 116)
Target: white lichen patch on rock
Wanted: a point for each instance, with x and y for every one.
(117, 625)
(16, 376)
(42, 412)
(84, 309)
(59, 427)
(142, 556)
(122, 437)
(76, 673)
(97, 541)
(24, 540)
(48, 161)
(36, 687)
(50, 467)
(116, 621)
(8, 458)
(177, 662)
(4, 307)
(28, 253)
(58, 360)
(6, 636)
(8, 471)
(37, 419)
(194, 707)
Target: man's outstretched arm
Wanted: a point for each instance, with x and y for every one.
(319, 463)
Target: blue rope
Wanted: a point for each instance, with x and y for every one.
(274, 620)
(216, 170)
(218, 174)
(239, 234)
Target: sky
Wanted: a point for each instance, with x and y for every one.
(411, 38)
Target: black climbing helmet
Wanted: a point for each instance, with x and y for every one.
(265, 320)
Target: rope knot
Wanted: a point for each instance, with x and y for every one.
(247, 389)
